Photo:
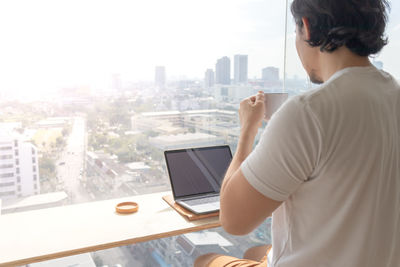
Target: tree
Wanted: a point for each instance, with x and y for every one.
(65, 131)
(47, 167)
(126, 155)
(60, 141)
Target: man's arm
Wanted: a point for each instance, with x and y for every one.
(243, 208)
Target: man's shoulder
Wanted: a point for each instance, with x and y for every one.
(346, 84)
(308, 98)
(319, 102)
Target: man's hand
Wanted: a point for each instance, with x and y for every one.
(251, 112)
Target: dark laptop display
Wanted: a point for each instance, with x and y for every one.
(196, 172)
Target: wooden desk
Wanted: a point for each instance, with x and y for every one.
(46, 234)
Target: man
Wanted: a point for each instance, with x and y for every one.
(328, 164)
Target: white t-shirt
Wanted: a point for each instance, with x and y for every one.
(333, 156)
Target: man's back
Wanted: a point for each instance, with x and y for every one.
(328, 164)
(347, 212)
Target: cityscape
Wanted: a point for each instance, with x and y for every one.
(80, 147)
(92, 93)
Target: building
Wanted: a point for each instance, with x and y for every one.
(233, 93)
(54, 122)
(209, 78)
(223, 71)
(270, 75)
(19, 168)
(175, 122)
(148, 121)
(240, 69)
(166, 142)
(160, 77)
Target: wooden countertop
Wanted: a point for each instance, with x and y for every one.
(45, 234)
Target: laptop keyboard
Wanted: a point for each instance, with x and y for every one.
(199, 201)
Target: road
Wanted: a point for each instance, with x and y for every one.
(71, 163)
(69, 168)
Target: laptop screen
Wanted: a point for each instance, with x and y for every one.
(196, 171)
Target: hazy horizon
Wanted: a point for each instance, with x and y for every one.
(48, 45)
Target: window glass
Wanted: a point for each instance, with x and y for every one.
(296, 78)
(387, 59)
(93, 92)
(89, 104)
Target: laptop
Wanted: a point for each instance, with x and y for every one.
(196, 176)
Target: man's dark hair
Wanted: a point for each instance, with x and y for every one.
(357, 24)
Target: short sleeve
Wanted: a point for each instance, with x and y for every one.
(287, 153)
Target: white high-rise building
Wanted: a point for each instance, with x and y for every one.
(240, 69)
(223, 71)
(160, 77)
(19, 168)
(270, 74)
(209, 78)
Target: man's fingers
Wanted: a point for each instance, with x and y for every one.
(253, 100)
(260, 97)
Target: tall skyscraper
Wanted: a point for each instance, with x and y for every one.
(270, 74)
(240, 69)
(160, 76)
(209, 78)
(19, 168)
(223, 71)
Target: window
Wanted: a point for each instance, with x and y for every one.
(297, 80)
(5, 148)
(6, 175)
(6, 194)
(6, 166)
(19, 188)
(144, 80)
(7, 184)
(17, 170)
(114, 146)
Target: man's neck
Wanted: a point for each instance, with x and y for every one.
(340, 59)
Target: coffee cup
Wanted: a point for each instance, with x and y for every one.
(272, 103)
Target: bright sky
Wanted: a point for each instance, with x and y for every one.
(47, 45)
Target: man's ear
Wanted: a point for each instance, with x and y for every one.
(306, 27)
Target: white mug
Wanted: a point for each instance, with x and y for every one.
(272, 103)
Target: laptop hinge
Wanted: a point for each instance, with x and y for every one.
(197, 197)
